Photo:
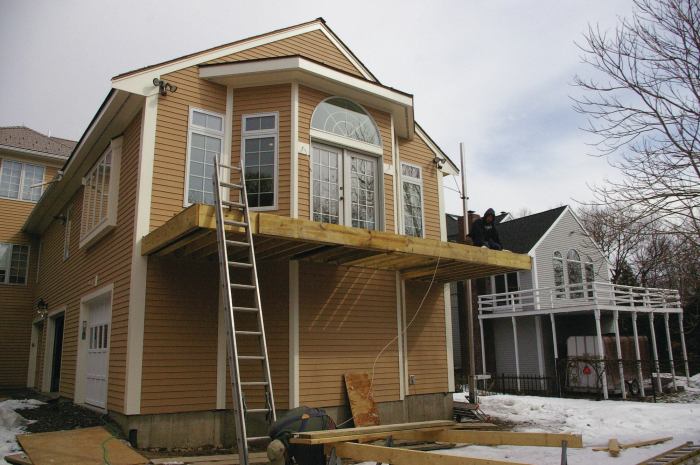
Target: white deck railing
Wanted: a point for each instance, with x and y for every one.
(585, 296)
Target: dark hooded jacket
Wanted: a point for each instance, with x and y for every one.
(482, 232)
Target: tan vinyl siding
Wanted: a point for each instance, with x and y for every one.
(17, 300)
(181, 335)
(416, 152)
(170, 158)
(39, 368)
(108, 261)
(314, 45)
(308, 101)
(425, 338)
(346, 316)
(265, 100)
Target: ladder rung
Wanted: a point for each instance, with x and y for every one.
(253, 383)
(251, 357)
(230, 185)
(257, 438)
(245, 309)
(242, 224)
(233, 204)
(243, 286)
(257, 410)
(240, 264)
(235, 168)
(249, 333)
(237, 243)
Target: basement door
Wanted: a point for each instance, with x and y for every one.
(99, 316)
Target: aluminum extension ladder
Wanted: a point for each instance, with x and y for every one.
(245, 261)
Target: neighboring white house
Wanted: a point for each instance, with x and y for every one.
(569, 279)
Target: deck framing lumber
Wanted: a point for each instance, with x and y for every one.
(494, 438)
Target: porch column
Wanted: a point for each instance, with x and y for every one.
(619, 355)
(601, 350)
(670, 351)
(517, 355)
(483, 351)
(655, 353)
(556, 351)
(685, 354)
(640, 375)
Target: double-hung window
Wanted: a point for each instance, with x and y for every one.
(412, 186)
(206, 139)
(259, 146)
(100, 195)
(14, 263)
(22, 181)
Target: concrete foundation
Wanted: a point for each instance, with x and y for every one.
(216, 427)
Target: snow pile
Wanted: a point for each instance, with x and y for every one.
(12, 424)
(597, 421)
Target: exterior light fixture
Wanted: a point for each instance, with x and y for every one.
(439, 162)
(164, 86)
(42, 308)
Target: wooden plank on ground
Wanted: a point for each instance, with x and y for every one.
(613, 447)
(369, 453)
(85, 446)
(375, 429)
(362, 405)
(361, 437)
(223, 459)
(494, 438)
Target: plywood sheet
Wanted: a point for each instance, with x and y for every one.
(362, 405)
(87, 446)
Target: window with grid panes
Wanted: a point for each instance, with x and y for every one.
(260, 133)
(206, 137)
(412, 186)
(14, 263)
(22, 181)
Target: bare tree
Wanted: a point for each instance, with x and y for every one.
(645, 108)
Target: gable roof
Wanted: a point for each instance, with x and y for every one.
(521, 234)
(23, 138)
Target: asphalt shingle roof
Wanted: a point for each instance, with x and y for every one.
(521, 234)
(25, 138)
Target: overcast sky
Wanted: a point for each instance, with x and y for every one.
(494, 74)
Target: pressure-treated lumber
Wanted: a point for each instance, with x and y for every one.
(649, 442)
(224, 459)
(395, 456)
(374, 429)
(187, 234)
(613, 447)
(494, 438)
(360, 437)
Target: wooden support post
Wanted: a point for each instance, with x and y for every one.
(483, 350)
(655, 352)
(517, 354)
(670, 351)
(640, 373)
(396, 456)
(619, 355)
(601, 350)
(685, 353)
(556, 351)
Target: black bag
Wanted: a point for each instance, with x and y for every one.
(299, 420)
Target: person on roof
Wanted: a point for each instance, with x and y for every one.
(483, 231)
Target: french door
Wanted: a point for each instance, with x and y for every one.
(344, 187)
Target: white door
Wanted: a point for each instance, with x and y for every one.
(99, 316)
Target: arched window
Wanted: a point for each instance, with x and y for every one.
(575, 273)
(345, 118)
(558, 264)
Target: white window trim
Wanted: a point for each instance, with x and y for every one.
(257, 135)
(335, 139)
(418, 182)
(191, 128)
(110, 221)
(21, 179)
(26, 273)
(345, 181)
(66, 232)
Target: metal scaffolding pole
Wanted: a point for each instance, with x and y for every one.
(619, 355)
(601, 350)
(655, 352)
(685, 354)
(640, 375)
(556, 351)
(670, 351)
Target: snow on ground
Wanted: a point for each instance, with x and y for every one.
(12, 424)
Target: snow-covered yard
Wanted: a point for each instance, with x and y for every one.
(597, 421)
(12, 424)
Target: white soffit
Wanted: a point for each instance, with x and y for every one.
(271, 71)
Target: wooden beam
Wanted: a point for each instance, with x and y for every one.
(375, 429)
(185, 222)
(396, 456)
(494, 438)
(361, 437)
